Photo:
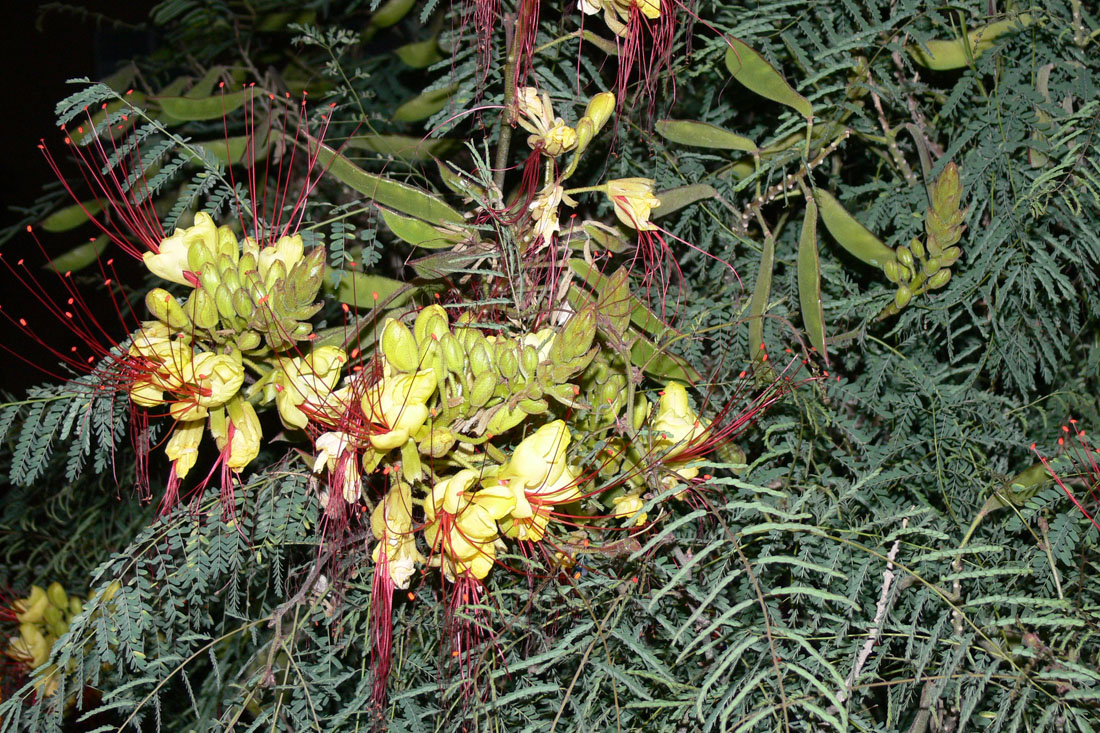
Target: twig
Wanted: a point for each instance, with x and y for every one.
(876, 624)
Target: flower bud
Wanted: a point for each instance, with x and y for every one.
(482, 389)
(903, 296)
(504, 418)
(890, 269)
(480, 361)
(917, 247)
(905, 257)
(599, 109)
(506, 359)
(164, 307)
(437, 443)
(558, 139)
(431, 322)
(454, 357)
(399, 346)
(201, 309)
(529, 360)
(939, 279)
(950, 256)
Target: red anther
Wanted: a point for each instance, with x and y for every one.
(576, 576)
(311, 337)
(634, 579)
(28, 229)
(742, 375)
(23, 322)
(345, 307)
(355, 353)
(374, 294)
(707, 477)
(411, 596)
(110, 262)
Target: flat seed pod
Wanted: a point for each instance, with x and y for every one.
(849, 233)
(809, 281)
(752, 70)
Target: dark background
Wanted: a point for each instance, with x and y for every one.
(43, 45)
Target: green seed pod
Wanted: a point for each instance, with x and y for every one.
(950, 256)
(399, 346)
(57, 596)
(940, 279)
(248, 340)
(905, 257)
(903, 296)
(891, 271)
(849, 233)
(430, 322)
(454, 357)
(917, 247)
(483, 387)
(165, 309)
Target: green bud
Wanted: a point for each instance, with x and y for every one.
(940, 279)
(454, 357)
(504, 418)
(600, 108)
(57, 595)
(248, 340)
(529, 360)
(437, 443)
(573, 343)
(506, 359)
(201, 309)
(399, 346)
(276, 276)
(223, 301)
(208, 277)
(165, 309)
(950, 256)
(905, 257)
(931, 266)
(917, 247)
(534, 407)
(430, 355)
(614, 303)
(904, 273)
(430, 322)
(890, 269)
(480, 361)
(52, 614)
(75, 606)
(482, 389)
(903, 296)
(640, 412)
(242, 303)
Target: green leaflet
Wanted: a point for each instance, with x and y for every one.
(752, 70)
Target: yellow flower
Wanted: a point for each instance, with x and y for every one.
(392, 525)
(333, 450)
(288, 250)
(462, 526)
(544, 213)
(398, 403)
(171, 261)
(617, 12)
(535, 478)
(630, 506)
(307, 380)
(634, 200)
(238, 436)
(207, 380)
(560, 138)
(183, 446)
(536, 115)
(676, 423)
(678, 428)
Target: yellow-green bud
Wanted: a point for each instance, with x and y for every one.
(431, 321)
(248, 340)
(939, 279)
(600, 108)
(506, 359)
(454, 357)
(164, 307)
(890, 269)
(57, 595)
(437, 443)
(903, 296)
(399, 346)
(201, 309)
(483, 388)
(529, 360)
(505, 418)
(917, 247)
(905, 257)
(950, 256)
(480, 361)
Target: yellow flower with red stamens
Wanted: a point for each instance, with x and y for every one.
(634, 201)
(392, 525)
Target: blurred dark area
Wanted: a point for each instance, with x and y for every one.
(44, 44)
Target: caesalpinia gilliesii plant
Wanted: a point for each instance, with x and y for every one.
(462, 430)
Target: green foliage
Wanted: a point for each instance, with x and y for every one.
(825, 585)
